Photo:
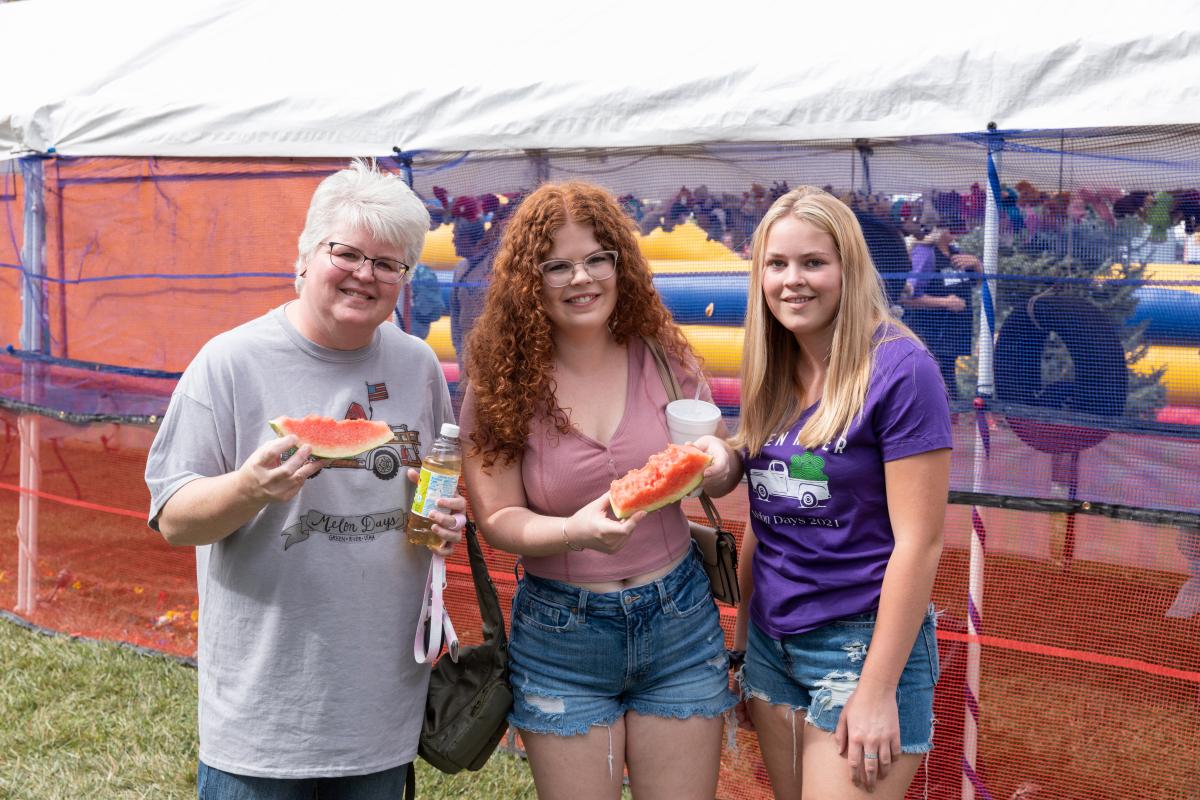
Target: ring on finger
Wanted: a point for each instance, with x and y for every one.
(871, 756)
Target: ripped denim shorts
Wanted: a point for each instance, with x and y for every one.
(578, 659)
(816, 672)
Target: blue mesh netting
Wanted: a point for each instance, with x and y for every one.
(1073, 470)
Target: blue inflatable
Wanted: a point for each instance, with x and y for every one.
(687, 296)
(1173, 314)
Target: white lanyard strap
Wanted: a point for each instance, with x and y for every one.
(433, 611)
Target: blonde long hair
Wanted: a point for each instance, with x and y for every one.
(771, 390)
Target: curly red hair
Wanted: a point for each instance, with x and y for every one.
(510, 351)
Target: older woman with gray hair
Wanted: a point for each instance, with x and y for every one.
(309, 591)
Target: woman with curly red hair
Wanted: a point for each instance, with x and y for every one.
(617, 658)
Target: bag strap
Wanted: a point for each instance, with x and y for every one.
(433, 612)
(485, 591)
(433, 608)
(665, 373)
(674, 392)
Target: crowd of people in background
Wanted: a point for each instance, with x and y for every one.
(913, 239)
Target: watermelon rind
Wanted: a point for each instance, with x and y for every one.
(666, 501)
(377, 434)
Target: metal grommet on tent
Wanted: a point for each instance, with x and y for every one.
(1101, 375)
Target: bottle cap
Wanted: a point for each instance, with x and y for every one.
(449, 430)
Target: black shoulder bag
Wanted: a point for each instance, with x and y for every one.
(469, 698)
(717, 545)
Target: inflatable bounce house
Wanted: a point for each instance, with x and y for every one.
(147, 204)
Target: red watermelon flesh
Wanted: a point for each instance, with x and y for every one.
(334, 438)
(669, 476)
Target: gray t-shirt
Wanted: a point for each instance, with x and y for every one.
(308, 612)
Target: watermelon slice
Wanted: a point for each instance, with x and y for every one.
(668, 477)
(334, 438)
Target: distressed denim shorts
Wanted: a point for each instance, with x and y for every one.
(816, 672)
(578, 659)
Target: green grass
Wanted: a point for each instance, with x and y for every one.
(81, 720)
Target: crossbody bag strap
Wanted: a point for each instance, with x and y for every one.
(674, 393)
(485, 591)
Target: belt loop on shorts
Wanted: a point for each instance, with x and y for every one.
(664, 596)
(581, 605)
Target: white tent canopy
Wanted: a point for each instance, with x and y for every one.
(313, 78)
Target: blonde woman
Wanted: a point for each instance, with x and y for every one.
(845, 442)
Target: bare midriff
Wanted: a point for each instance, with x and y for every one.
(603, 587)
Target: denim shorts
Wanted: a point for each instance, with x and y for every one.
(215, 784)
(817, 671)
(578, 658)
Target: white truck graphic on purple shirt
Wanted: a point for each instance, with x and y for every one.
(775, 481)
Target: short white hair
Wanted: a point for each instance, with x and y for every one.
(364, 198)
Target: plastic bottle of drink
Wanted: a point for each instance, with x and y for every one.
(440, 471)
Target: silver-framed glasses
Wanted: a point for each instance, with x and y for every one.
(558, 272)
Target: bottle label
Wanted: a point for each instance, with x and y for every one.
(431, 487)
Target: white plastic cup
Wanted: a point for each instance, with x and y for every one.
(687, 420)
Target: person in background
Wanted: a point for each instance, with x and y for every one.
(838, 563)
(885, 242)
(309, 592)
(617, 658)
(472, 274)
(939, 304)
(426, 306)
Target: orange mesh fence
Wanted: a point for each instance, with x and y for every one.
(11, 217)
(1071, 571)
(101, 572)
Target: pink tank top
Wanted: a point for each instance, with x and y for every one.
(562, 473)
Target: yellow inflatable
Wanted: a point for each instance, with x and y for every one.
(686, 242)
(684, 249)
(1170, 272)
(720, 346)
(438, 252)
(1182, 377)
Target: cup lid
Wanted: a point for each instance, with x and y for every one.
(693, 410)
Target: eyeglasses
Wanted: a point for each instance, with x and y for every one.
(349, 259)
(558, 272)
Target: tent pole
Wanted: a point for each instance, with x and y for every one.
(34, 337)
(540, 162)
(865, 152)
(984, 387)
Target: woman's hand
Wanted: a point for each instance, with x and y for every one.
(591, 527)
(868, 734)
(448, 520)
(726, 468)
(267, 477)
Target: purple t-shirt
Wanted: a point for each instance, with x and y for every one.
(821, 516)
